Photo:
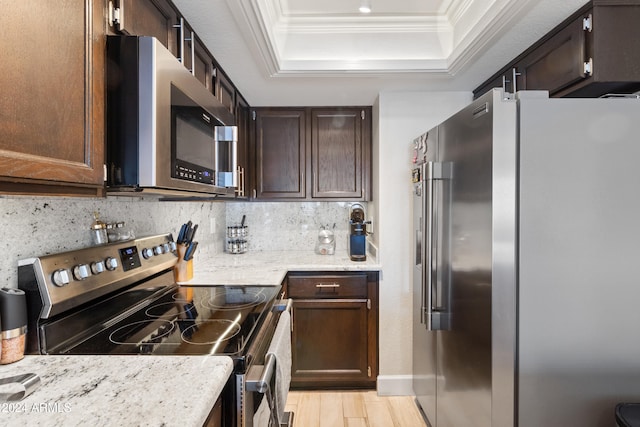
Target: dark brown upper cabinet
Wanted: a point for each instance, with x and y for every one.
(339, 153)
(243, 121)
(162, 20)
(154, 18)
(52, 104)
(281, 153)
(594, 52)
(313, 153)
(201, 64)
(224, 89)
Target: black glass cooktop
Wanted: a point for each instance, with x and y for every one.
(170, 320)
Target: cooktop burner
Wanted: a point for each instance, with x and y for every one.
(182, 320)
(209, 332)
(235, 299)
(130, 333)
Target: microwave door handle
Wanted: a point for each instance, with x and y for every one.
(234, 163)
(216, 160)
(193, 54)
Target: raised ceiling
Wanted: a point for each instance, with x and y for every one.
(312, 52)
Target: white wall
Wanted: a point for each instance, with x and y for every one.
(399, 117)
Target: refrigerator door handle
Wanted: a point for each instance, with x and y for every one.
(427, 267)
(435, 301)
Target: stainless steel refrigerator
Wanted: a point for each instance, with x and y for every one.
(527, 262)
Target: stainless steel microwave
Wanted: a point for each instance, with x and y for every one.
(166, 133)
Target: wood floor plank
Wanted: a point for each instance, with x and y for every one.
(353, 405)
(378, 414)
(308, 414)
(371, 396)
(353, 409)
(356, 422)
(331, 411)
(293, 396)
(405, 412)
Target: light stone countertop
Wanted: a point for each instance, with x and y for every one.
(269, 268)
(116, 390)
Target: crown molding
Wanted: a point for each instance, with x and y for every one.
(316, 45)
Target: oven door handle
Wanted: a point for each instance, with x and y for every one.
(261, 384)
(284, 305)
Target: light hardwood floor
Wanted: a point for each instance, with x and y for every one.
(352, 409)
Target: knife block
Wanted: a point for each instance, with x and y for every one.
(183, 271)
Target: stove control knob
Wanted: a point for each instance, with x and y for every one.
(158, 250)
(147, 253)
(111, 263)
(60, 277)
(81, 271)
(97, 267)
(173, 247)
(166, 248)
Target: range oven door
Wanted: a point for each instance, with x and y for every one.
(266, 384)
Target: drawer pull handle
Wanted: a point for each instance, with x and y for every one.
(328, 285)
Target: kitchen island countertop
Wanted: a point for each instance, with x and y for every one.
(269, 268)
(115, 390)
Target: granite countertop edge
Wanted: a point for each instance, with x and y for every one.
(269, 268)
(115, 390)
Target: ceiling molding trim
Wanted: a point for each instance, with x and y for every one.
(431, 24)
(457, 10)
(250, 20)
(362, 67)
(496, 22)
(264, 26)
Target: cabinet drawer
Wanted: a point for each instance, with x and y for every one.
(330, 286)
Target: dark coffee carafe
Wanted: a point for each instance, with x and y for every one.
(357, 233)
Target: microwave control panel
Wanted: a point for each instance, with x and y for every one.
(190, 172)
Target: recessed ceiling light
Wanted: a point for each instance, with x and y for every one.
(365, 6)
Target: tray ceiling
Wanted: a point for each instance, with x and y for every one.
(332, 36)
(315, 52)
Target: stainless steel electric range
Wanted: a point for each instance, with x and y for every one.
(122, 298)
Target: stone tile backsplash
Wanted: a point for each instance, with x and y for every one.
(290, 226)
(35, 226)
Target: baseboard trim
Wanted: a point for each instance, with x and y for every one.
(395, 385)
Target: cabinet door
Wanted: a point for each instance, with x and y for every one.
(52, 97)
(201, 64)
(243, 122)
(155, 18)
(281, 153)
(330, 342)
(557, 63)
(224, 89)
(340, 144)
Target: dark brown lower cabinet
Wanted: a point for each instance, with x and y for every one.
(215, 416)
(335, 330)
